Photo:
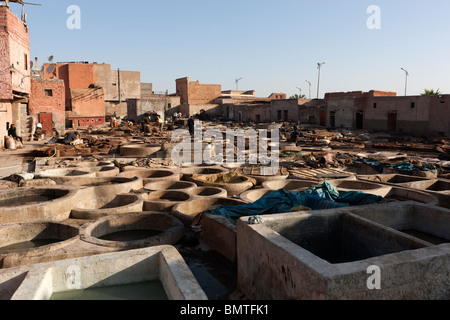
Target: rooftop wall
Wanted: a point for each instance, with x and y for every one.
(14, 51)
(196, 93)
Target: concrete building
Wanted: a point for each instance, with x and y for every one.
(313, 112)
(286, 109)
(346, 109)
(385, 111)
(15, 83)
(416, 115)
(164, 104)
(119, 86)
(245, 106)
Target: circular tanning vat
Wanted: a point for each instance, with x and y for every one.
(289, 185)
(254, 195)
(407, 194)
(65, 174)
(152, 175)
(187, 211)
(140, 150)
(113, 184)
(21, 241)
(203, 170)
(122, 203)
(170, 186)
(234, 188)
(134, 231)
(25, 205)
(260, 179)
(357, 185)
(103, 172)
(91, 164)
(164, 201)
(209, 192)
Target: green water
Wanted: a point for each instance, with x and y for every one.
(130, 235)
(29, 244)
(152, 290)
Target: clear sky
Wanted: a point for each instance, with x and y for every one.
(274, 45)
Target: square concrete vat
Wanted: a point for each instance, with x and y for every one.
(163, 263)
(327, 254)
(437, 185)
(219, 234)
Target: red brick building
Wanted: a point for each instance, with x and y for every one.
(47, 103)
(14, 70)
(84, 101)
(195, 96)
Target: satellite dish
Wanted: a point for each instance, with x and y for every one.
(31, 64)
(50, 69)
(51, 58)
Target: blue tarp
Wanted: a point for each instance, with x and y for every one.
(320, 197)
(403, 167)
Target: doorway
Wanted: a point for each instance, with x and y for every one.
(47, 123)
(359, 119)
(392, 121)
(333, 119)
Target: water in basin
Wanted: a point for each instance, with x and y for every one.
(152, 290)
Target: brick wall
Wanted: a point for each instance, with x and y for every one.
(360, 94)
(75, 76)
(41, 102)
(5, 75)
(19, 51)
(86, 122)
(194, 93)
(87, 103)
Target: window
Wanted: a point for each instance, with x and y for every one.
(374, 105)
(48, 93)
(26, 62)
(258, 118)
(280, 115)
(413, 105)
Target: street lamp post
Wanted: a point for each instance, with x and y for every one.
(309, 88)
(300, 91)
(406, 81)
(319, 66)
(237, 83)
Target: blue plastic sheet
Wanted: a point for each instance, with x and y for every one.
(403, 167)
(320, 197)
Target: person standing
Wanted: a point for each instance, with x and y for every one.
(160, 122)
(191, 125)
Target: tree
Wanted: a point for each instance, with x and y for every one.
(297, 96)
(431, 92)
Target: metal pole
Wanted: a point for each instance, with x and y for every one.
(319, 66)
(406, 85)
(309, 83)
(406, 81)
